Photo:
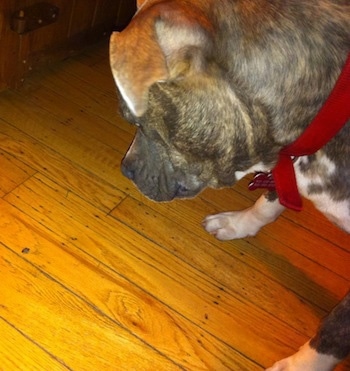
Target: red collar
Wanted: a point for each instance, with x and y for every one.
(330, 119)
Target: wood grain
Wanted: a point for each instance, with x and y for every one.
(24, 353)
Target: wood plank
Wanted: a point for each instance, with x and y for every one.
(61, 321)
(95, 71)
(62, 170)
(97, 58)
(86, 151)
(79, 120)
(110, 290)
(265, 253)
(13, 172)
(84, 92)
(180, 286)
(18, 352)
(249, 280)
(303, 314)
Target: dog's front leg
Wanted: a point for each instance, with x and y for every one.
(306, 359)
(327, 348)
(244, 223)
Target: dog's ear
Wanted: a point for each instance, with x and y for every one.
(166, 40)
(139, 3)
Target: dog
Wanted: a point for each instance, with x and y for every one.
(218, 89)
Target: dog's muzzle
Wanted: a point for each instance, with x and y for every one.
(160, 184)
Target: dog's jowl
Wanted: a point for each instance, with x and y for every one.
(221, 88)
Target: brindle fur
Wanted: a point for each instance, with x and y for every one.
(256, 83)
(333, 336)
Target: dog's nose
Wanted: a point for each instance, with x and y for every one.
(182, 190)
(128, 171)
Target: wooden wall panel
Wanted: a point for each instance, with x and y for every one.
(8, 45)
(82, 16)
(126, 9)
(80, 22)
(107, 9)
(42, 46)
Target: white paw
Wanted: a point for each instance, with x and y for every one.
(306, 359)
(244, 223)
(232, 225)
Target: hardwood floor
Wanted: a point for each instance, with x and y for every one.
(96, 277)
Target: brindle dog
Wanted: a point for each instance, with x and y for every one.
(216, 88)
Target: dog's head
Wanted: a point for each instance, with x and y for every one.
(192, 129)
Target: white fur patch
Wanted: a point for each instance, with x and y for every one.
(306, 359)
(127, 98)
(336, 211)
(303, 182)
(256, 168)
(244, 223)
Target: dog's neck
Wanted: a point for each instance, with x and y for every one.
(333, 115)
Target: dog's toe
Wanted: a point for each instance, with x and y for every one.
(222, 226)
(232, 225)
